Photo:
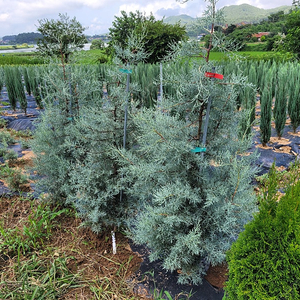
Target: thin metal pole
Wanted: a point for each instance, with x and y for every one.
(71, 95)
(161, 83)
(207, 118)
(125, 123)
(126, 109)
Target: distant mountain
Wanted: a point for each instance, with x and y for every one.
(234, 14)
(183, 19)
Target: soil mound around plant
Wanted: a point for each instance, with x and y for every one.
(153, 278)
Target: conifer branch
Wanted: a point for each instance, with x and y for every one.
(131, 162)
(159, 134)
(236, 188)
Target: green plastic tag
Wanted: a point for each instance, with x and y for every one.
(198, 149)
(125, 71)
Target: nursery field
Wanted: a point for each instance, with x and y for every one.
(47, 253)
(15, 47)
(62, 132)
(98, 56)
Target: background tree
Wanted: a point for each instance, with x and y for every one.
(157, 35)
(229, 29)
(60, 37)
(97, 44)
(241, 35)
(275, 17)
(291, 42)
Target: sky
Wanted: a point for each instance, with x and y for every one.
(20, 16)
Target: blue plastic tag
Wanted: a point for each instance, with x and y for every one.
(198, 149)
(125, 71)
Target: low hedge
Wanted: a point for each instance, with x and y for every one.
(264, 262)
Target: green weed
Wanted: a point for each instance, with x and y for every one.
(165, 295)
(6, 138)
(2, 123)
(39, 278)
(25, 144)
(36, 230)
(21, 133)
(14, 177)
(10, 155)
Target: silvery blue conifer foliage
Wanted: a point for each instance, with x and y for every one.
(194, 204)
(76, 135)
(188, 207)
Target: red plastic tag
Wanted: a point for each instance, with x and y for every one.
(214, 75)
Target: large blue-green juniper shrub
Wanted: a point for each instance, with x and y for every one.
(77, 136)
(193, 204)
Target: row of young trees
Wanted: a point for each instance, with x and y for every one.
(20, 79)
(279, 98)
(277, 86)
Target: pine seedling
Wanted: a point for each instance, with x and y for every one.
(10, 87)
(26, 80)
(280, 107)
(193, 205)
(75, 154)
(19, 89)
(294, 103)
(265, 115)
(33, 78)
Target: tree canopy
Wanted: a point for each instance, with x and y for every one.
(60, 37)
(293, 34)
(157, 35)
(97, 44)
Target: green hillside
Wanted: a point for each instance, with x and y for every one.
(183, 19)
(234, 14)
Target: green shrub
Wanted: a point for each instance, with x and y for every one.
(264, 262)
(2, 123)
(6, 138)
(14, 177)
(255, 47)
(10, 155)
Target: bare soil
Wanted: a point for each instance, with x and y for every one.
(89, 254)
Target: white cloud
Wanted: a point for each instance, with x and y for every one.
(4, 17)
(18, 16)
(151, 7)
